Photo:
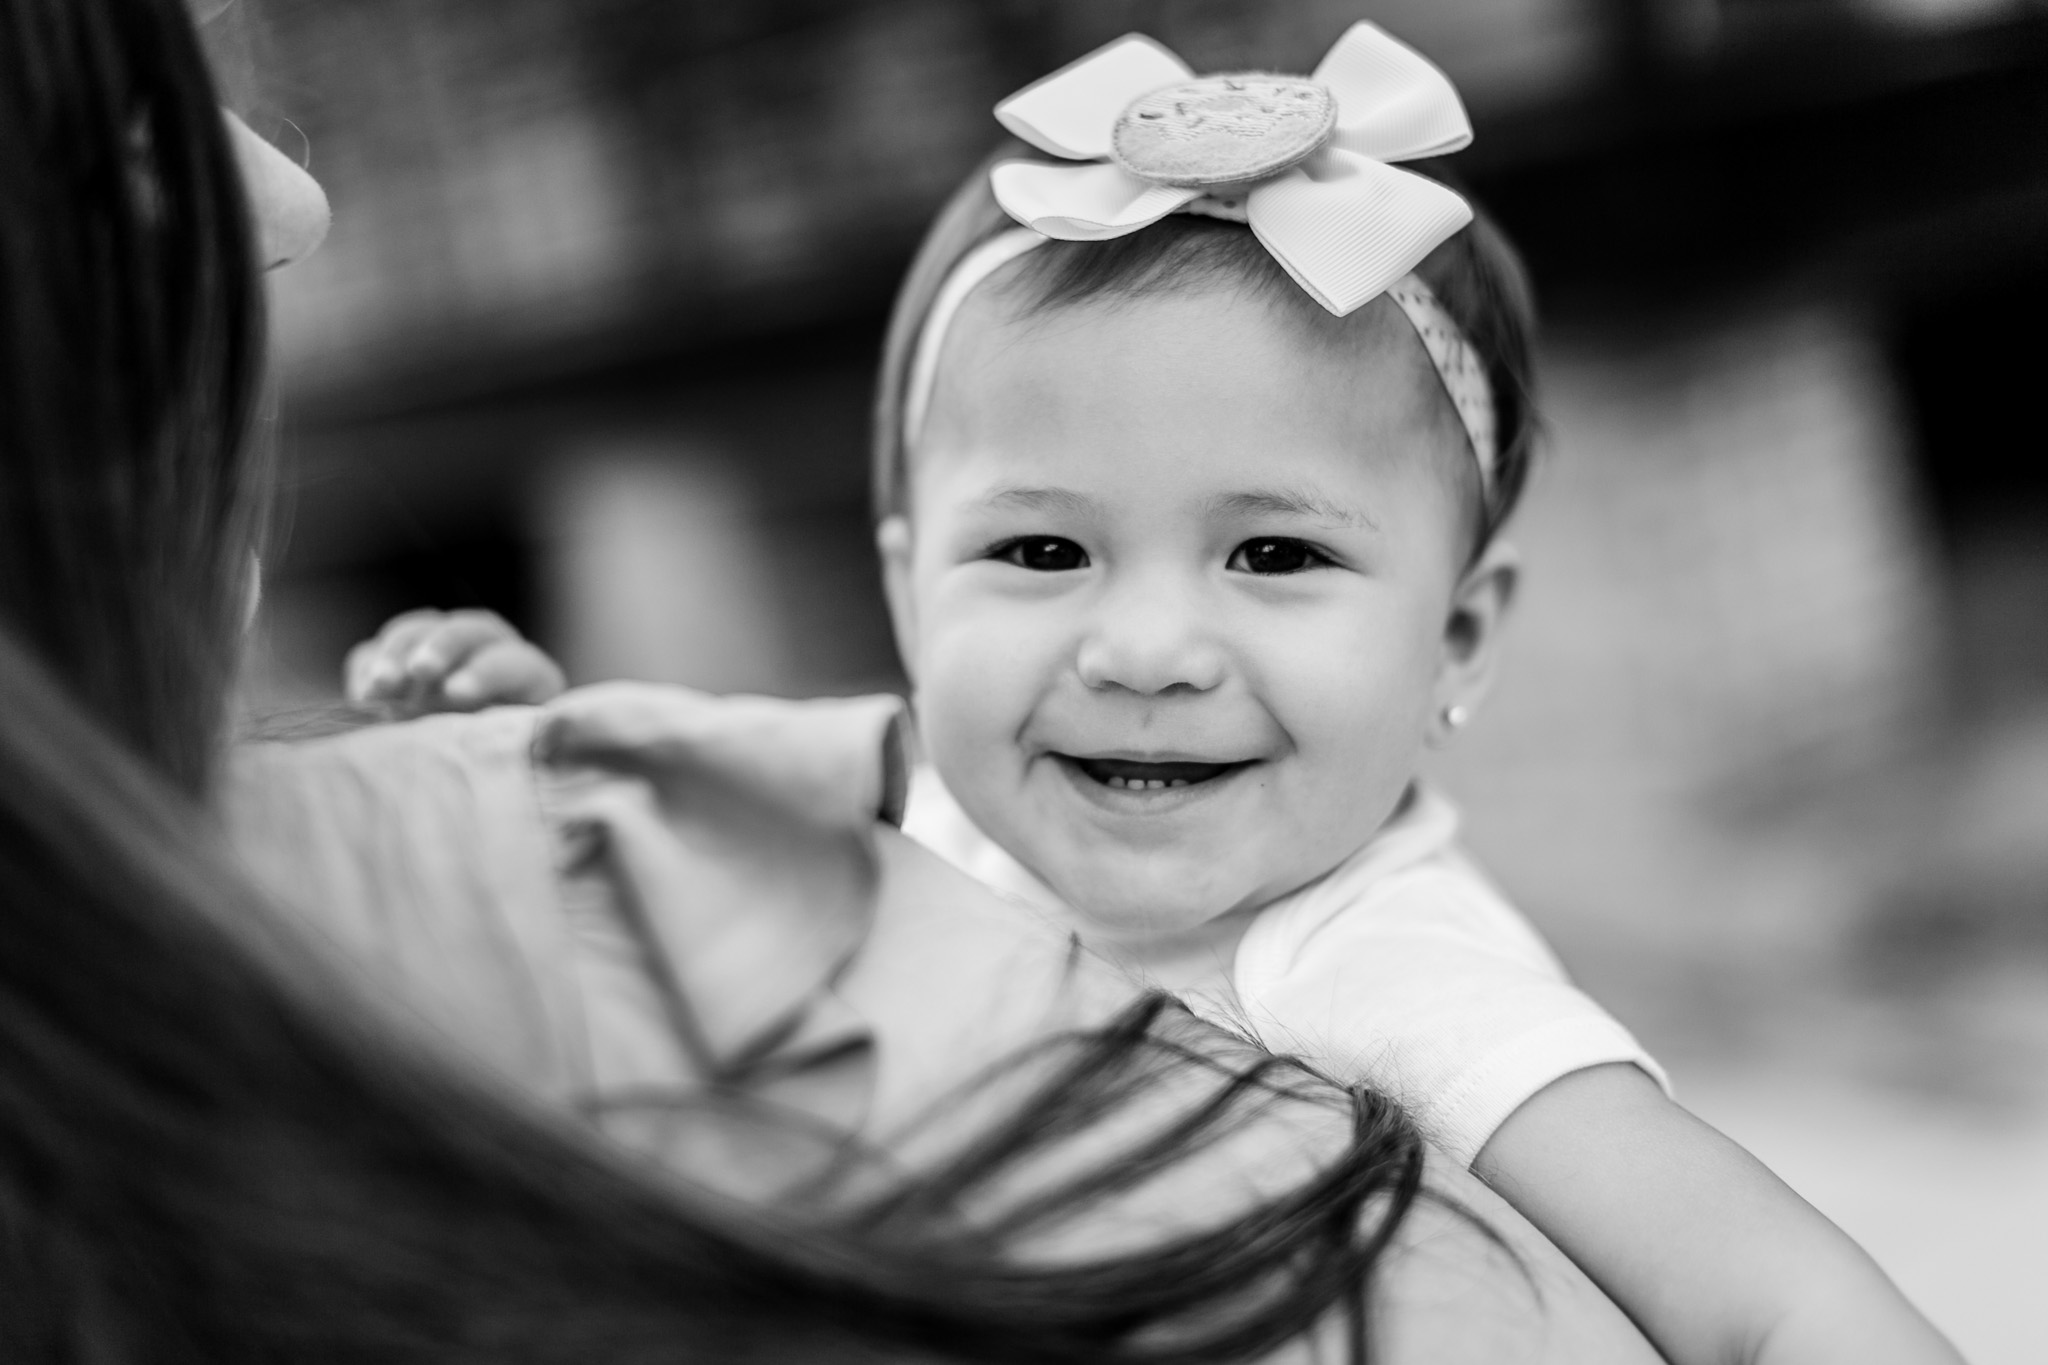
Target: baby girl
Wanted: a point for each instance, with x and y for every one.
(1191, 490)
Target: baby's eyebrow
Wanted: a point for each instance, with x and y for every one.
(1290, 502)
(1039, 500)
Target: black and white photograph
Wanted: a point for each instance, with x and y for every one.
(1021, 681)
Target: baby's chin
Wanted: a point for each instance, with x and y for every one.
(1139, 908)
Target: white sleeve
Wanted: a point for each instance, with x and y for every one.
(1432, 988)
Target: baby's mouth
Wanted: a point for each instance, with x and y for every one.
(1130, 775)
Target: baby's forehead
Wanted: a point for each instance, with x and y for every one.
(1011, 302)
(1080, 391)
(1245, 356)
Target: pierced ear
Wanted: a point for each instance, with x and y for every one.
(1472, 634)
(893, 543)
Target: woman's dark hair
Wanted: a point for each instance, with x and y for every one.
(211, 1149)
(1476, 275)
(129, 349)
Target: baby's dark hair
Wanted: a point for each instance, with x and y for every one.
(1476, 275)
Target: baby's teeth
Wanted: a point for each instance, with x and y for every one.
(1139, 784)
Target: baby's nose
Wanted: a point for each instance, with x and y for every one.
(1152, 639)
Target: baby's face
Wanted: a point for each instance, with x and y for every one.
(1174, 593)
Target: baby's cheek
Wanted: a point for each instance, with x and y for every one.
(1367, 767)
(974, 690)
(1357, 709)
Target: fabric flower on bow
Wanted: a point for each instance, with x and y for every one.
(1303, 161)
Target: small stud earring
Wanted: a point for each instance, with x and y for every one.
(1455, 716)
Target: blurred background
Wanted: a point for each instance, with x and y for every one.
(591, 341)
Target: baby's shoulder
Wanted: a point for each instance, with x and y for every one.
(1443, 893)
(1443, 906)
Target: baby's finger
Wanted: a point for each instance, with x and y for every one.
(409, 625)
(376, 667)
(508, 671)
(359, 676)
(452, 641)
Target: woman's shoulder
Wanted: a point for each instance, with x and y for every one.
(417, 853)
(633, 884)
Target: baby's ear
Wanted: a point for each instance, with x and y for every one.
(1482, 602)
(893, 543)
(1472, 634)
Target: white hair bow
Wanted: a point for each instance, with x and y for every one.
(1304, 161)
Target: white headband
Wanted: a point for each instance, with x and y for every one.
(1457, 363)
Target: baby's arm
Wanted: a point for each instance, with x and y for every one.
(431, 660)
(1716, 1259)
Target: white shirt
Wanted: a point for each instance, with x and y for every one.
(1403, 967)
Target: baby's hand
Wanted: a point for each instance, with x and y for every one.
(431, 660)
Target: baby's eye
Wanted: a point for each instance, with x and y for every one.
(1275, 555)
(1042, 554)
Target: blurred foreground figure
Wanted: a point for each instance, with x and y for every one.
(220, 1141)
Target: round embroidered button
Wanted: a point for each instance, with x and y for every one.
(1223, 130)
